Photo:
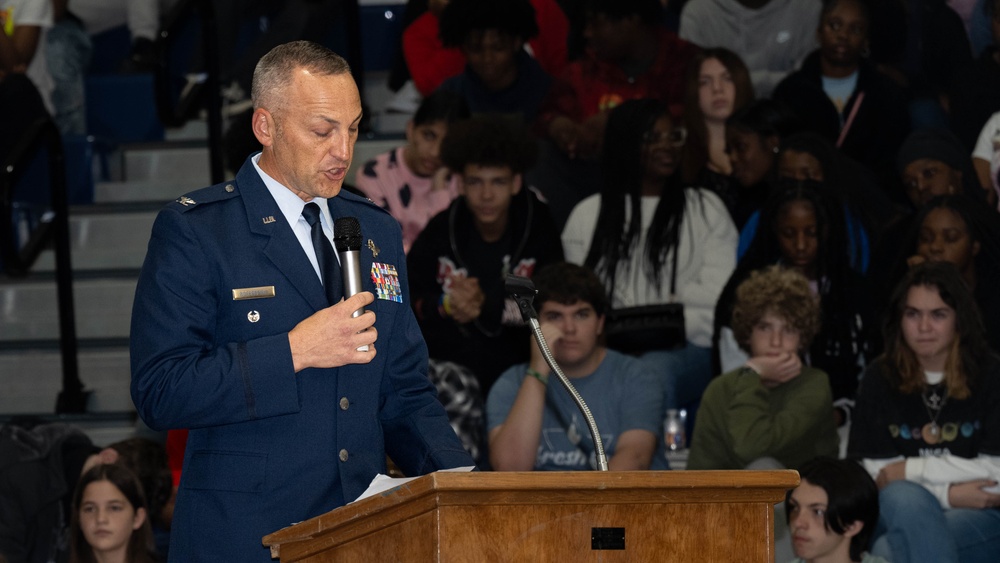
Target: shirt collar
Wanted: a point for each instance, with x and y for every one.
(290, 204)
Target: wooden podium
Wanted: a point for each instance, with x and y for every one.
(551, 516)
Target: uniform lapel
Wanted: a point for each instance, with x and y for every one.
(276, 239)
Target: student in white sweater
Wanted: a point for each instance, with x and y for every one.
(634, 254)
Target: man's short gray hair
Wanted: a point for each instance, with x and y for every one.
(273, 69)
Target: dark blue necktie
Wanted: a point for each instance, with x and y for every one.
(329, 267)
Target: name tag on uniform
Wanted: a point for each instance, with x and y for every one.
(262, 292)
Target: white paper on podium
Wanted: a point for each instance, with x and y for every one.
(382, 483)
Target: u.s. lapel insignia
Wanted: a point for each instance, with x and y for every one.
(386, 280)
(185, 201)
(373, 248)
(269, 219)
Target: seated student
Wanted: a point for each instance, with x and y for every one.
(430, 63)
(499, 76)
(753, 140)
(39, 468)
(630, 55)
(805, 230)
(957, 230)
(409, 181)
(148, 460)
(110, 518)
(931, 163)
(772, 412)
(534, 423)
(832, 513)
(841, 95)
(927, 427)
(717, 85)
(458, 263)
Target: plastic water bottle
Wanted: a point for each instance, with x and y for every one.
(673, 430)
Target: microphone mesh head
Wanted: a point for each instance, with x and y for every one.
(347, 234)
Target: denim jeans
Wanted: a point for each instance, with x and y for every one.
(685, 373)
(913, 527)
(67, 51)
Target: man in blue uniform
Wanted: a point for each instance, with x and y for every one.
(234, 337)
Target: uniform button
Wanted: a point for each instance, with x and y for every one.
(230, 188)
(344, 403)
(343, 455)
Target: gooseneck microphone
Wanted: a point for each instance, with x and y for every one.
(347, 240)
(522, 290)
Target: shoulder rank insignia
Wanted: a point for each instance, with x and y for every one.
(185, 201)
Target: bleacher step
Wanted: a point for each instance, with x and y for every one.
(103, 307)
(33, 379)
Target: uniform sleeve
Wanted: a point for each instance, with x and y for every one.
(182, 378)
(418, 435)
(756, 430)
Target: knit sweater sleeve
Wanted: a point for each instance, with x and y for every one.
(711, 235)
(756, 428)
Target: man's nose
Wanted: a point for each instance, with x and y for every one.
(340, 147)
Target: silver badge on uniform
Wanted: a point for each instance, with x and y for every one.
(253, 316)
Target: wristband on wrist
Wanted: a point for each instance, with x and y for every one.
(543, 378)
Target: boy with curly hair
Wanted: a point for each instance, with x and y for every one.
(749, 420)
(458, 263)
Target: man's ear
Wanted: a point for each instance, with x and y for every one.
(853, 529)
(263, 127)
(518, 181)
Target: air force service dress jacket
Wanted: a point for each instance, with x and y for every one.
(224, 281)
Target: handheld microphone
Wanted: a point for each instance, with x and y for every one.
(347, 239)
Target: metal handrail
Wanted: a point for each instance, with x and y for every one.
(55, 229)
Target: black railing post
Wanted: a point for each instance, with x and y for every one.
(165, 104)
(209, 33)
(18, 261)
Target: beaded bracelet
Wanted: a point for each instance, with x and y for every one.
(543, 378)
